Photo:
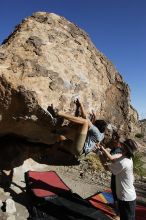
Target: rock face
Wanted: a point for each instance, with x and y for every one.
(143, 127)
(49, 60)
(134, 123)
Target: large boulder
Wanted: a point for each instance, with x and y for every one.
(49, 60)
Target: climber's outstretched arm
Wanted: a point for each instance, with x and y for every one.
(83, 112)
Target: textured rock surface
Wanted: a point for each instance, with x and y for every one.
(143, 127)
(134, 123)
(46, 60)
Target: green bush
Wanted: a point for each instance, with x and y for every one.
(138, 165)
(139, 135)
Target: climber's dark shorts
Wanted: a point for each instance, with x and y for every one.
(79, 144)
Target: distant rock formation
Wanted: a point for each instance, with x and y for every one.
(143, 127)
(134, 123)
(49, 60)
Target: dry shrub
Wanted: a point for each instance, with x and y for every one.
(94, 162)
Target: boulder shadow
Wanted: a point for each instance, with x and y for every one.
(15, 150)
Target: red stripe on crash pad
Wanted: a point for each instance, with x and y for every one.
(140, 212)
(44, 184)
(98, 201)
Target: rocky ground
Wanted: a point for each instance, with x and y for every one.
(85, 178)
(80, 178)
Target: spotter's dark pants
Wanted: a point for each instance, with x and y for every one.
(127, 209)
(113, 187)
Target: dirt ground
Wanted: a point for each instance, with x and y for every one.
(82, 177)
(78, 177)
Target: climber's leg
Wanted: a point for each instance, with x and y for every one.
(80, 138)
(81, 133)
(77, 120)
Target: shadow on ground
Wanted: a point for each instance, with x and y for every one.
(15, 150)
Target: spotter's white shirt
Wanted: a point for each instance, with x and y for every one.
(123, 169)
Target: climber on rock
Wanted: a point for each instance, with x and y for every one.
(88, 134)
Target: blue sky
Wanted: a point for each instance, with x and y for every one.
(116, 27)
